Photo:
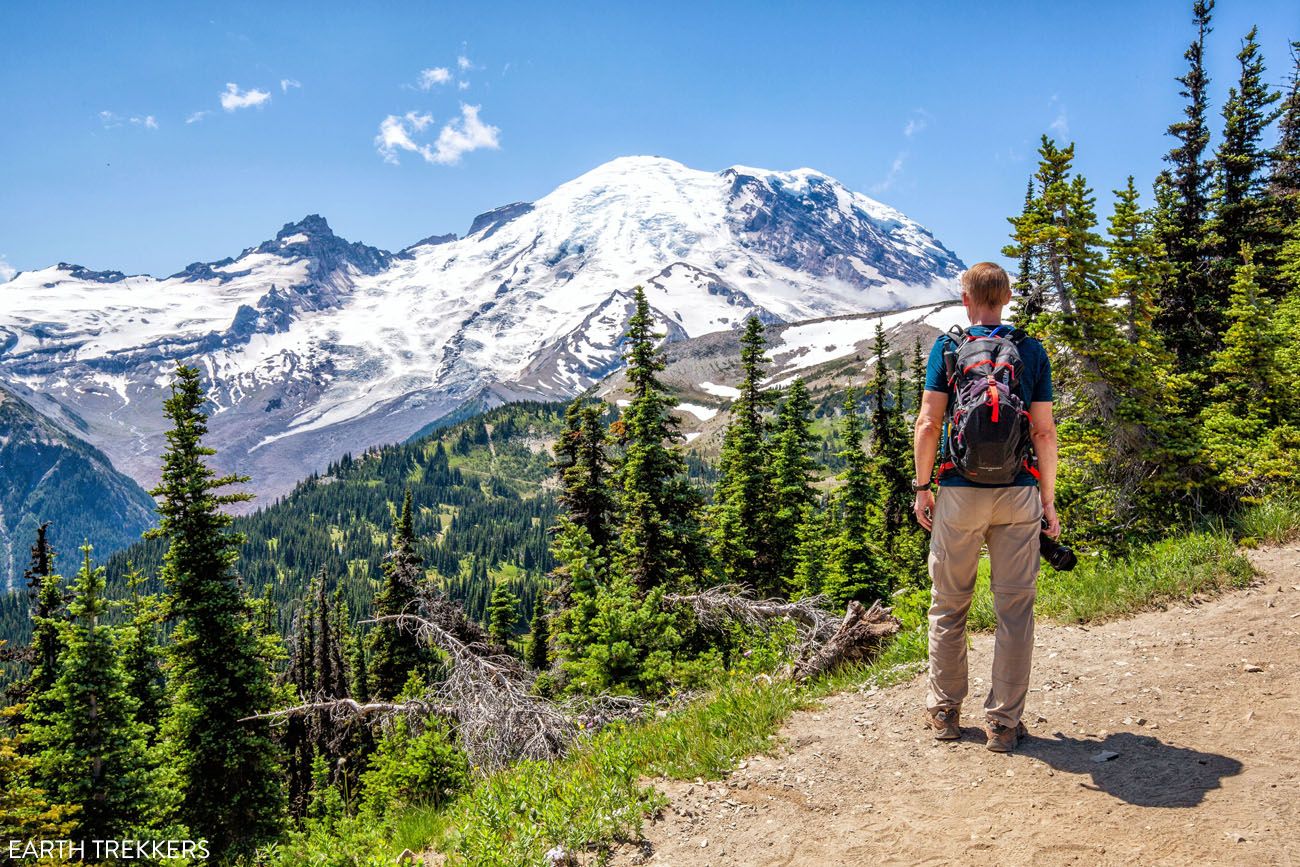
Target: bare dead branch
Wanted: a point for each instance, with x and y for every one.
(732, 603)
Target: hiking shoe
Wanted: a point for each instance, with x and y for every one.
(944, 723)
(1003, 739)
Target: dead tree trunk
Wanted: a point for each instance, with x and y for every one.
(859, 638)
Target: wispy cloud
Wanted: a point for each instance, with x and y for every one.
(457, 137)
(431, 78)
(7, 271)
(895, 171)
(234, 99)
(464, 64)
(917, 123)
(1061, 123)
(197, 116)
(462, 85)
(112, 120)
(286, 83)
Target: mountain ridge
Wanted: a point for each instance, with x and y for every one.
(312, 345)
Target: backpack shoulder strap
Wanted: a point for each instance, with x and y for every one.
(955, 337)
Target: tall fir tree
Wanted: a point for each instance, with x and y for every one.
(47, 601)
(793, 474)
(854, 567)
(891, 470)
(26, 811)
(658, 508)
(584, 471)
(91, 750)
(1186, 311)
(394, 654)
(743, 509)
(142, 653)
(1029, 281)
(1281, 208)
(1242, 163)
(227, 780)
(539, 639)
(502, 614)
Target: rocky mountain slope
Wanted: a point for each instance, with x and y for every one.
(314, 346)
(48, 474)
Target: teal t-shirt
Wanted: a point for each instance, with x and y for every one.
(1035, 386)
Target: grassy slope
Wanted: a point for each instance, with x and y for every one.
(598, 795)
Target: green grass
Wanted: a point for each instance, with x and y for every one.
(601, 792)
(1275, 521)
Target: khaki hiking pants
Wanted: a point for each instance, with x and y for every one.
(965, 519)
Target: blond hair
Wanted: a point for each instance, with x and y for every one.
(986, 285)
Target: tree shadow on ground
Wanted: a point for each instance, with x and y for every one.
(1147, 772)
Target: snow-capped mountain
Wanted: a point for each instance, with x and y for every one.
(314, 346)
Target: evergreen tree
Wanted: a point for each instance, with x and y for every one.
(48, 605)
(742, 514)
(502, 614)
(1137, 266)
(854, 569)
(891, 469)
(394, 654)
(584, 471)
(1242, 162)
(793, 473)
(1186, 309)
(660, 541)
(142, 654)
(539, 639)
(226, 776)
(91, 749)
(1029, 283)
(1249, 443)
(25, 809)
(917, 376)
(1281, 207)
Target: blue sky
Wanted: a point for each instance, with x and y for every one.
(934, 108)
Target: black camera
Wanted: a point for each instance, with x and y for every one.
(1060, 557)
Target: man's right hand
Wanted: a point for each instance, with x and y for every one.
(923, 508)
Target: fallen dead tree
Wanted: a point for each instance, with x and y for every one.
(824, 641)
(487, 696)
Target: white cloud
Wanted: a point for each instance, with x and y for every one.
(462, 85)
(286, 83)
(917, 123)
(465, 134)
(1061, 123)
(7, 271)
(456, 138)
(113, 120)
(430, 78)
(197, 116)
(396, 134)
(895, 170)
(463, 63)
(234, 99)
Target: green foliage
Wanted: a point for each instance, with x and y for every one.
(854, 566)
(742, 515)
(502, 614)
(412, 768)
(660, 540)
(26, 812)
(392, 653)
(225, 773)
(91, 750)
(539, 640)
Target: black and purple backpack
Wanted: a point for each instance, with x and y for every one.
(988, 423)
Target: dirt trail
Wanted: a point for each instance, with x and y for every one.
(1207, 771)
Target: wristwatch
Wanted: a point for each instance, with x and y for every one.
(922, 486)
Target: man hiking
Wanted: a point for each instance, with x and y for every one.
(988, 396)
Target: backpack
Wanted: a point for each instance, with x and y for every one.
(988, 423)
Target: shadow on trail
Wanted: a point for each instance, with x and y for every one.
(1147, 772)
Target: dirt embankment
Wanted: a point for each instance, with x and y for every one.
(1167, 738)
